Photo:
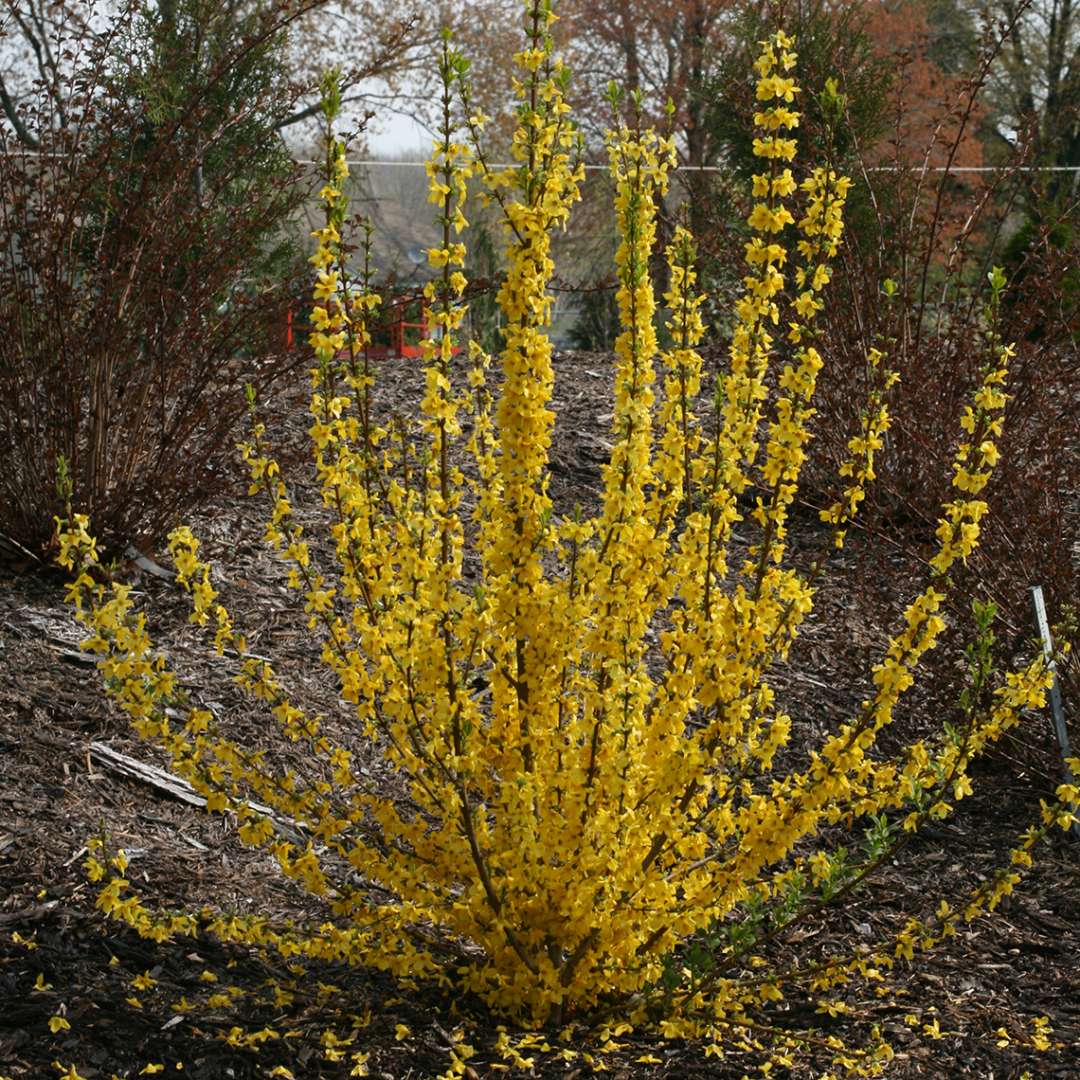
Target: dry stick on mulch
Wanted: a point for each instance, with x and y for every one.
(180, 789)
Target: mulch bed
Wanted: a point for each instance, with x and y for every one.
(997, 973)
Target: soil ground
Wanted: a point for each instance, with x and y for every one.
(998, 973)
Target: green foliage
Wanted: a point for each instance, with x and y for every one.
(849, 111)
(953, 37)
(211, 82)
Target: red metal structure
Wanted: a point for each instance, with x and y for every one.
(398, 331)
(394, 336)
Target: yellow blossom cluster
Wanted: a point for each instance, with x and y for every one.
(858, 469)
(578, 709)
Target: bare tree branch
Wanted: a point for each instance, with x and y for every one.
(11, 111)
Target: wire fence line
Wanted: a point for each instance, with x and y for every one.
(722, 168)
(592, 167)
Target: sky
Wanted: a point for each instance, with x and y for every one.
(392, 131)
(394, 135)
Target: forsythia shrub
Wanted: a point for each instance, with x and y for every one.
(583, 718)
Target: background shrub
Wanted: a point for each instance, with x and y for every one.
(142, 198)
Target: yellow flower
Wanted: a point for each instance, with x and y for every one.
(327, 286)
(1040, 1037)
(69, 1074)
